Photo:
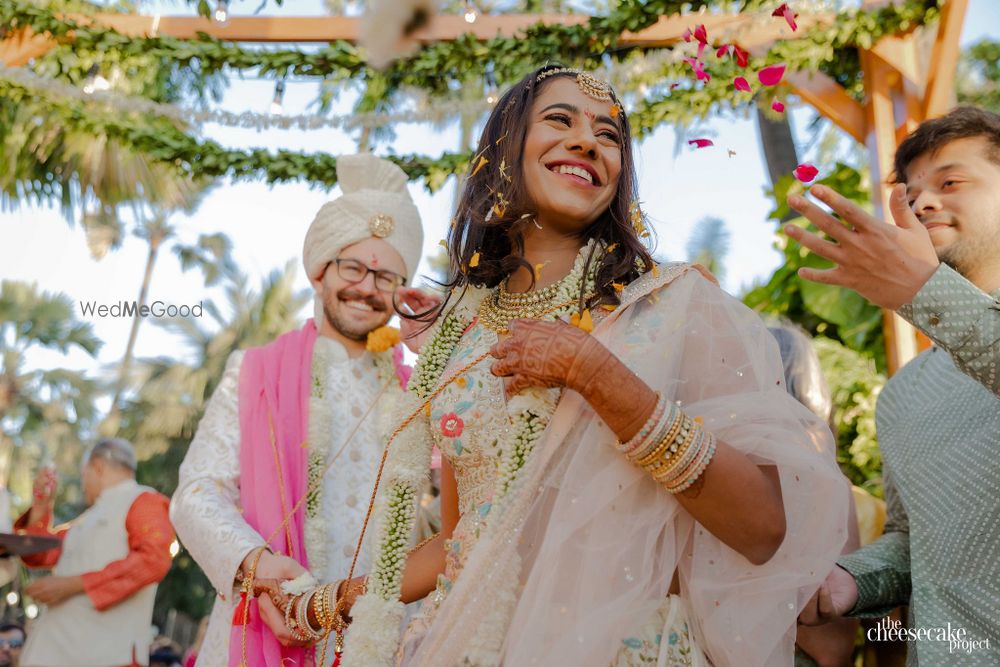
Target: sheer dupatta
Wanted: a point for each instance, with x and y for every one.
(583, 547)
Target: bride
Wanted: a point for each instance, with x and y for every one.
(625, 480)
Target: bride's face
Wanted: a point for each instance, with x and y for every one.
(572, 156)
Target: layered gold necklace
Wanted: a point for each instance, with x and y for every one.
(500, 307)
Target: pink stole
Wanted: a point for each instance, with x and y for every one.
(274, 398)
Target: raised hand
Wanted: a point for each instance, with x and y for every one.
(548, 354)
(886, 264)
(415, 301)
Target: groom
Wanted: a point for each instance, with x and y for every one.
(300, 417)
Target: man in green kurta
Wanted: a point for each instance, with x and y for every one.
(938, 418)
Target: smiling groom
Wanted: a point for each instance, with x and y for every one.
(293, 429)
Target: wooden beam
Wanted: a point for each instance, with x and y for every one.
(900, 53)
(832, 101)
(940, 93)
(900, 338)
(21, 47)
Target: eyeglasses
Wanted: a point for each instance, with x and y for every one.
(354, 271)
(11, 643)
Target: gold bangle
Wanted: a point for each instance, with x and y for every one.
(668, 440)
(685, 455)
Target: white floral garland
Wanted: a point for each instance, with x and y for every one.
(373, 636)
(319, 430)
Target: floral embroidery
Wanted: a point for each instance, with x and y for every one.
(452, 425)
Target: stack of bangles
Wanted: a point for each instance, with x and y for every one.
(674, 448)
(326, 602)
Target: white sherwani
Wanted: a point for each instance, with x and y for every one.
(205, 509)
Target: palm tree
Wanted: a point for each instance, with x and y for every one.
(709, 245)
(44, 411)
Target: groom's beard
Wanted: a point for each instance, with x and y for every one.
(351, 324)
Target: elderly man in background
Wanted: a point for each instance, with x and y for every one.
(104, 575)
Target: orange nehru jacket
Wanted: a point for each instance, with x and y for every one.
(149, 536)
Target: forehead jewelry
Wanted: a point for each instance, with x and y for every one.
(588, 83)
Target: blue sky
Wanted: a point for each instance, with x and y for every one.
(267, 224)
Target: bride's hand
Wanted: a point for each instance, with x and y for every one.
(272, 603)
(548, 354)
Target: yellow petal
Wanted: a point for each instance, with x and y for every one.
(474, 262)
(482, 163)
(618, 287)
(610, 307)
(574, 319)
(427, 409)
(586, 322)
(443, 244)
(538, 270)
(656, 271)
(611, 248)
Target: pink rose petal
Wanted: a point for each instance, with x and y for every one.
(722, 51)
(701, 49)
(742, 57)
(785, 12)
(701, 143)
(687, 35)
(805, 172)
(778, 106)
(701, 34)
(741, 84)
(771, 75)
(699, 69)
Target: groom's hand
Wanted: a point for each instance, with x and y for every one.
(274, 568)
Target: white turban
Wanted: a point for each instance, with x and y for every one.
(376, 204)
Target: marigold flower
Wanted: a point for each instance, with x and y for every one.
(382, 339)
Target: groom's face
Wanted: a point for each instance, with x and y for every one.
(356, 307)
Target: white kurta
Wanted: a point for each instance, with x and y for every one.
(205, 509)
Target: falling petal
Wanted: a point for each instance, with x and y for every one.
(656, 271)
(610, 307)
(778, 106)
(785, 12)
(741, 84)
(586, 321)
(443, 244)
(701, 143)
(618, 287)
(538, 270)
(474, 261)
(731, 152)
(701, 49)
(699, 69)
(722, 51)
(611, 248)
(616, 111)
(701, 34)
(687, 35)
(805, 172)
(482, 163)
(742, 57)
(771, 75)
